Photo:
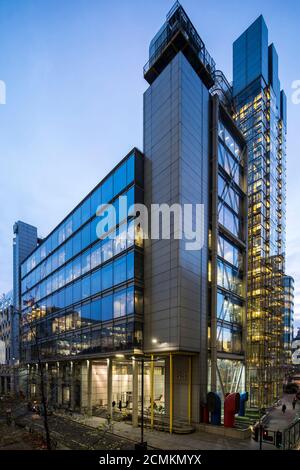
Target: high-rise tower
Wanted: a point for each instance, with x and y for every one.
(261, 116)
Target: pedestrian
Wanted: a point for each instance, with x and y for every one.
(283, 408)
(8, 417)
(294, 403)
(120, 405)
(113, 404)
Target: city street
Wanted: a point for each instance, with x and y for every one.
(79, 432)
(277, 420)
(65, 434)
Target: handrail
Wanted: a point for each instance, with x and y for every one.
(177, 20)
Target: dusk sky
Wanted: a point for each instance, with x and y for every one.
(74, 82)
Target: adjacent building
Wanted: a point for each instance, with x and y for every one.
(260, 113)
(6, 353)
(24, 242)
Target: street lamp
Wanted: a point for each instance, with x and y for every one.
(142, 445)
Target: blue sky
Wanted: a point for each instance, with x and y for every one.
(73, 72)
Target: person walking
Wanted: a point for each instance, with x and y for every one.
(294, 403)
(283, 408)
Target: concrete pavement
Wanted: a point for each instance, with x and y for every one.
(163, 440)
(276, 420)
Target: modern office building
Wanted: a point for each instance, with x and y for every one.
(82, 298)
(24, 242)
(288, 318)
(100, 310)
(260, 113)
(194, 154)
(6, 358)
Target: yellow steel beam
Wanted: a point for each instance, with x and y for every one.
(171, 393)
(190, 390)
(152, 390)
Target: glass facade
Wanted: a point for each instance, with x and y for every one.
(261, 116)
(288, 317)
(82, 288)
(230, 254)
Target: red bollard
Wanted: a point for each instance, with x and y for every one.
(231, 407)
(204, 414)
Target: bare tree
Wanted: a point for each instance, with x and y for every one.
(42, 379)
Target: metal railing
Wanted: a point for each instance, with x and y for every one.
(291, 435)
(177, 20)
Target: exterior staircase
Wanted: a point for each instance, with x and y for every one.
(251, 417)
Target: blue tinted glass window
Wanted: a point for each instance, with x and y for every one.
(95, 255)
(95, 201)
(55, 260)
(85, 262)
(76, 317)
(106, 249)
(120, 179)
(86, 287)
(55, 302)
(68, 227)
(117, 212)
(107, 307)
(61, 234)
(43, 253)
(130, 169)
(48, 286)
(69, 273)
(61, 299)
(61, 255)
(55, 239)
(120, 303)
(48, 266)
(130, 301)
(96, 282)
(120, 239)
(107, 190)
(76, 291)
(86, 314)
(43, 289)
(86, 210)
(86, 236)
(48, 246)
(76, 266)
(76, 219)
(68, 250)
(96, 311)
(94, 235)
(130, 199)
(54, 278)
(68, 295)
(107, 276)
(120, 270)
(130, 265)
(76, 243)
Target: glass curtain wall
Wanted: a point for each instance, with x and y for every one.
(81, 294)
